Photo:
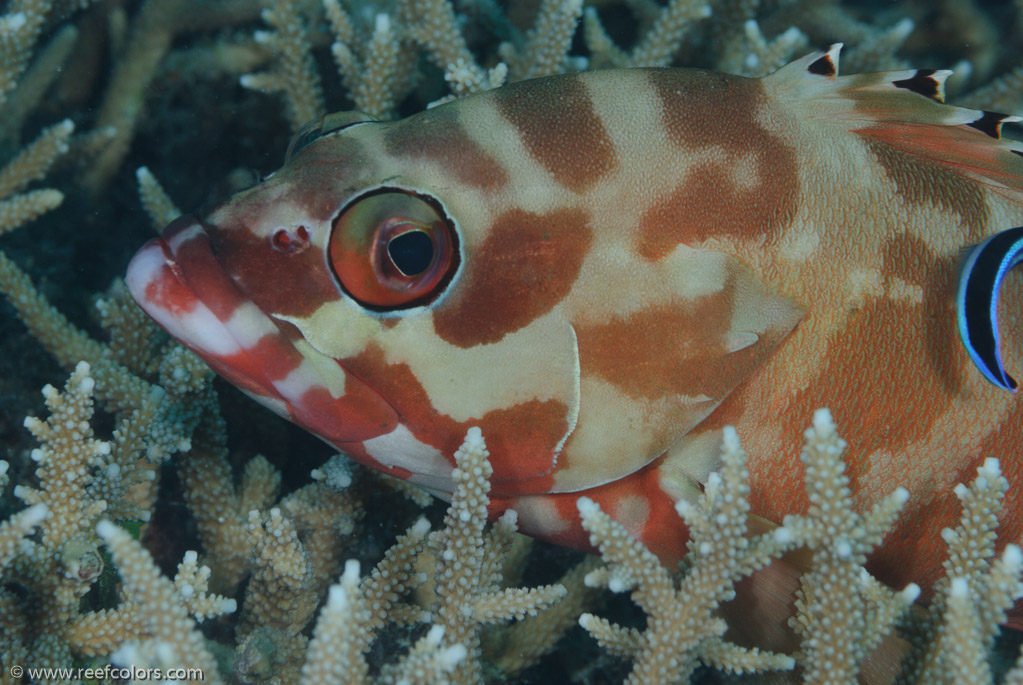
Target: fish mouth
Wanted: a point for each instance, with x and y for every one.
(178, 281)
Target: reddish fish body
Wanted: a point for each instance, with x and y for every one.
(602, 270)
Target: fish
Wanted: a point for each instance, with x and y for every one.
(980, 282)
(603, 270)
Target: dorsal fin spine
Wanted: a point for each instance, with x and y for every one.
(990, 123)
(825, 63)
(927, 82)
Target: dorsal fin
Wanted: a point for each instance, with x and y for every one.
(927, 82)
(990, 123)
(824, 63)
(904, 110)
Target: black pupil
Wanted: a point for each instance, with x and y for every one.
(411, 252)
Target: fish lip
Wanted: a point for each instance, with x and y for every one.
(178, 281)
(165, 280)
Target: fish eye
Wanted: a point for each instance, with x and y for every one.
(392, 250)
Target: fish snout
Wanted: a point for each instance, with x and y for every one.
(179, 282)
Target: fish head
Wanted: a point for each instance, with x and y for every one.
(331, 292)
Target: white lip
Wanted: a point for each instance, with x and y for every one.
(177, 280)
(196, 326)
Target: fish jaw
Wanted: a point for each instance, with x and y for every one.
(177, 280)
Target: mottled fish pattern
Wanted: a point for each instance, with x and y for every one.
(601, 270)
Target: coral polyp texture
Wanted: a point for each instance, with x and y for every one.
(151, 517)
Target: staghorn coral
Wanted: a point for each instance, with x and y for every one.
(59, 566)
(660, 42)
(174, 99)
(14, 530)
(174, 639)
(31, 164)
(155, 200)
(842, 613)
(464, 596)
(468, 572)
(150, 37)
(76, 475)
(20, 28)
(680, 630)
(368, 70)
(951, 637)
(98, 633)
(682, 624)
(343, 632)
(295, 73)
(522, 644)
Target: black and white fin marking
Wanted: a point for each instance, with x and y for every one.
(990, 123)
(827, 64)
(927, 82)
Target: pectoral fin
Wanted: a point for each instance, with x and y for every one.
(651, 374)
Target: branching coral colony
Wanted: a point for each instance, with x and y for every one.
(269, 597)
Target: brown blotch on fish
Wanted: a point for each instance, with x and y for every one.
(709, 203)
(558, 125)
(718, 111)
(924, 182)
(685, 350)
(438, 136)
(525, 266)
(897, 332)
(527, 433)
(288, 283)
